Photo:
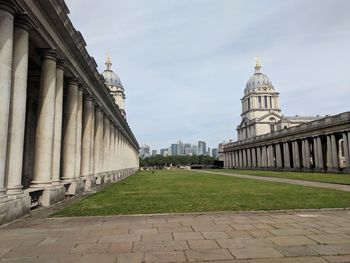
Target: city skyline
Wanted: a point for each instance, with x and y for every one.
(175, 89)
(179, 148)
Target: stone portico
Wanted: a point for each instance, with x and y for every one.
(61, 131)
(322, 145)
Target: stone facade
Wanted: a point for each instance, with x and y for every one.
(322, 145)
(61, 131)
(261, 112)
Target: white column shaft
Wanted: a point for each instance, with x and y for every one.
(42, 172)
(69, 138)
(17, 110)
(78, 134)
(56, 159)
(86, 139)
(6, 47)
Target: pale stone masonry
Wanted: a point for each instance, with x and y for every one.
(249, 237)
(321, 145)
(62, 132)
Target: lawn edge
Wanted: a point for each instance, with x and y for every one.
(212, 213)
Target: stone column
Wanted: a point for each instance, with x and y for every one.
(329, 153)
(303, 152)
(111, 147)
(320, 153)
(70, 130)
(253, 157)
(240, 158)
(92, 139)
(79, 133)
(263, 156)
(278, 156)
(87, 142)
(57, 134)
(258, 156)
(42, 171)
(315, 153)
(286, 155)
(97, 139)
(7, 11)
(307, 154)
(249, 158)
(296, 154)
(106, 129)
(334, 152)
(346, 150)
(234, 163)
(101, 149)
(115, 156)
(17, 112)
(244, 158)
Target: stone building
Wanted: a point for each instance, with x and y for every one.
(115, 86)
(62, 132)
(269, 140)
(261, 111)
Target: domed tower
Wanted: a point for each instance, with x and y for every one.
(115, 86)
(260, 106)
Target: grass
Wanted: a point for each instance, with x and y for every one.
(317, 177)
(185, 191)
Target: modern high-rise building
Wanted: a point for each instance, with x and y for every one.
(173, 148)
(144, 151)
(194, 150)
(164, 152)
(202, 148)
(214, 153)
(154, 152)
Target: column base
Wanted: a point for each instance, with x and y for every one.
(346, 170)
(14, 207)
(52, 195)
(100, 179)
(332, 170)
(90, 182)
(76, 187)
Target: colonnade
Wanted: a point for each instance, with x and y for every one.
(78, 143)
(328, 152)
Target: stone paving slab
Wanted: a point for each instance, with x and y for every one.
(249, 237)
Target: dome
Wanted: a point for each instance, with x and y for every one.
(258, 80)
(110, 77)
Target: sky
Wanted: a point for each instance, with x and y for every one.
(184, 64)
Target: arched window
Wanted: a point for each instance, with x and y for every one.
(265, 100)
(259, 102)
(248, 103)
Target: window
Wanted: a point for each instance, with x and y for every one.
(259, 102)
(248, 103)
(270, 102)
(272, 127)
(265, 100)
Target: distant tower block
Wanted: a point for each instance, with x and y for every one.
(115, 86)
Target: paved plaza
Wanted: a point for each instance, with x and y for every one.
(297, 236)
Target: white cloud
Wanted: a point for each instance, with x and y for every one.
(184, 64)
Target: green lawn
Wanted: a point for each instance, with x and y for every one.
(317, 177)
(185, 191)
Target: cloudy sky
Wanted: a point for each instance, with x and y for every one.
(184, 63)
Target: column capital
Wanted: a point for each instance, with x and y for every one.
(48, 53)
(24, 22)
(8, 5)
(87, 96)
(60, 64)
(72, 81)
